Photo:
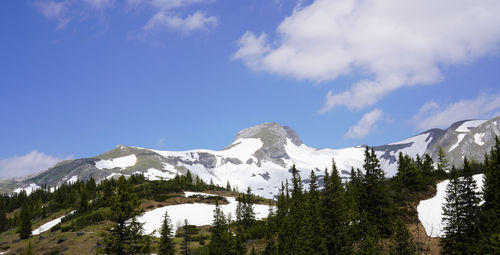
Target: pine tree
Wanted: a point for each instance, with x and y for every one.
(452, 215)
(402, 241)
(25, 227)
(228, 186)
(186, 239)
(221, 239)
(335, 213)
(248, 214)
(166, 246)
(29, 249)
(84, 204)
(443, 165)
(375, 199)
(3, 219)
(125, 236)
(314, 221)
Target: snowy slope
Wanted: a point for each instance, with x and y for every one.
(196, 214)
(430, 211)
(48, 225)
(121, 162)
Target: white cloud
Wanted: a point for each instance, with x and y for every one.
(392, 43)
(193, 22)
(58, 11)
(98, 4)
(20, 166)
(172, 4)
(366, 125)
(432, 115)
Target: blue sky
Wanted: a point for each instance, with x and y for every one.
(79, 77)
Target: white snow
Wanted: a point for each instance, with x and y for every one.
(430, 211)
(478, 138)
(460, 137)
(419, 146)
(121, 162)
(48, 225)
(197, 214)
(28, 189)
(72, 179)
(154, 174)
(469, 124)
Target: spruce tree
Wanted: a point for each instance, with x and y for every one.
(453, 234)
(166, 245)
(25, 227)
(3, 219)
(314, 221)
(402, 241)
(443, 165)
(221, 239)
(375, 201)
(125, 236)
(335, 214)
(186, 238)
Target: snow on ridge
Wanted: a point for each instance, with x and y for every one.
(469, 124)
(121, 162)
(198, 214)
(154, 175)
(430, 211)
(460, 137)
(28, 189)
(478, 138)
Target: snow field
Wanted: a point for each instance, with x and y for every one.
(29, 189)
(430, 211)
(48, 225)
(460, 138)
(121, 162)
(196, 214)
(478, 138)
(469, 124)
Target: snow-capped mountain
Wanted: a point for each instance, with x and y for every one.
(261, 157)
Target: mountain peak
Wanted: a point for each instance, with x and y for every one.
(270, 133)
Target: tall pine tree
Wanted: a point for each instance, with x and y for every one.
(166, 245)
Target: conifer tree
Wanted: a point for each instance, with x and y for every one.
(125, 236)
(402, 241)
(375, 199)
(335, 214)
(186, 238)
(452, 215)
(3, 219)
(314, 221)
(166, 246)
(29, 249)
(25, 227)
(443, 163)
(221, 239)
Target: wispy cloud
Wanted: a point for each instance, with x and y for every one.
(194, 22)
(432, 114)
(366, 125)
(98, 4)
(161, 142)
(20, 166)
(58, 11)
(391, 43)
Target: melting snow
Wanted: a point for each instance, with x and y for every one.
(469, 124)
(73, 179)
(29, 189)
(154, 174)
(460, 137)
(478, 138)
(48, 225)
(430, 211)
(122, 162)
(196, 214)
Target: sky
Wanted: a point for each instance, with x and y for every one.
(78, 77)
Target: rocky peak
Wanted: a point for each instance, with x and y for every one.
(271, 133)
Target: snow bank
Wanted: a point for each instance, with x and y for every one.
(196, 214)
(460, 138)
(154, 174)
(72, 179)
(28, 190)
(478, 138)
(122, 162)
(48, 225)
(469, 124)
(430, 211)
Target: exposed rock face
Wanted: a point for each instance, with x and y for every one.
(274, 137)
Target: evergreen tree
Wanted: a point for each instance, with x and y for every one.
(335, 214)
(125, 236)
(248, 214)
(314, 221)
(443, 165)
(186, 239)
(375, 201)
(221, 238)
(3, 219)
(166, 246)
(29, 249)
(402, 241)
(25, 227)
(452, 215)
(84, 204)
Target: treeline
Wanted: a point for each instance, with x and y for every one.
(91, 202)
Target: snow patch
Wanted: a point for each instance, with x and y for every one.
(72, 180)
(469, 124)
(154, 174)
(196, 214)
(460, 137)
(430, 211)
(122, 162)
(478, 138)
(48, 225)
(28, 189)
